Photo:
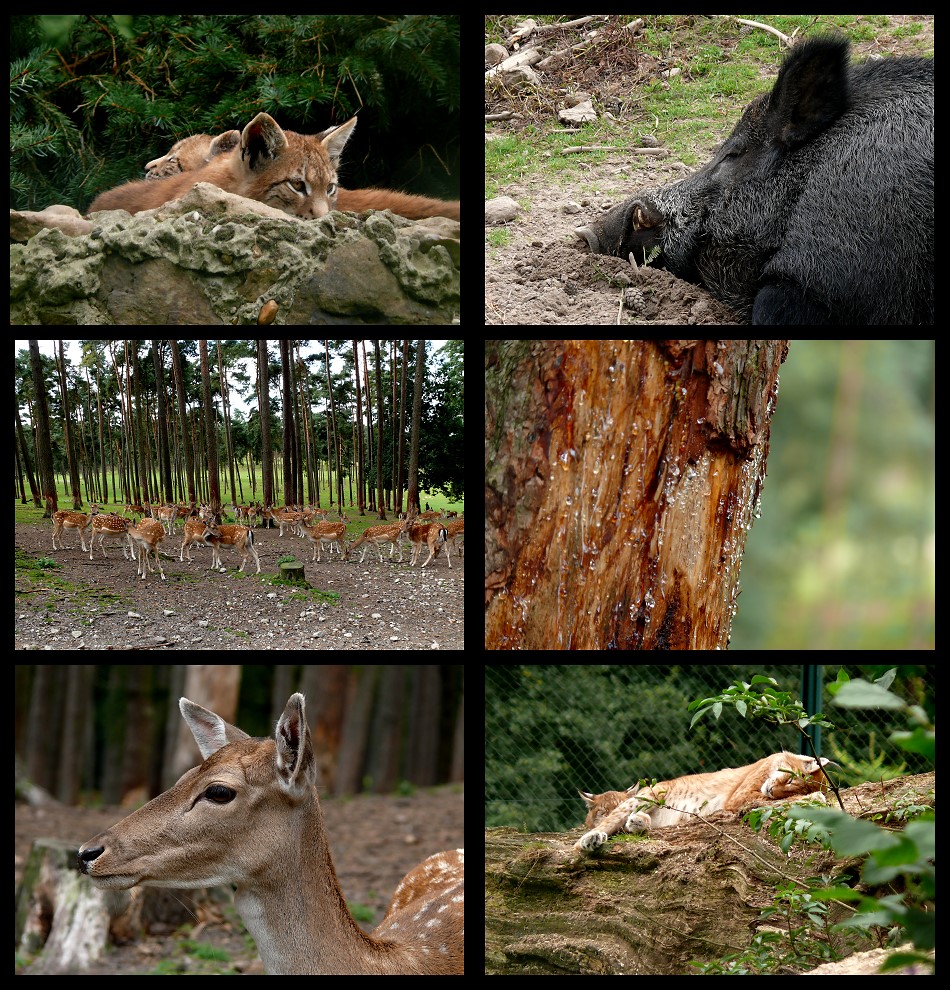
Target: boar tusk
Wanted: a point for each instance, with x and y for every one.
(586, 234)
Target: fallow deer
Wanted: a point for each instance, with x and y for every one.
(249, 816)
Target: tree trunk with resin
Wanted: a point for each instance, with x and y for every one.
(622, 477)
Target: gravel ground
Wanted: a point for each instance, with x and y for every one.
(98, 604)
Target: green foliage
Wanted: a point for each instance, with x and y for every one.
(783, 828)
(766, 703)
(87, 113)
(805, 939)
(902, 862)
(861, 694)
(876, 763)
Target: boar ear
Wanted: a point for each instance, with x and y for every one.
(811, 91)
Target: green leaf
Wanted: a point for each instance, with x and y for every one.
(924, 834)
(698, 716)
(919, 741)
(920, 926)
(837, 894)
(861, 694)
(901, 959)
(887, 678)
(848, 836)
(885, 864)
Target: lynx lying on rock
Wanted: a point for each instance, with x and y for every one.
(775, 778)
(292, 172)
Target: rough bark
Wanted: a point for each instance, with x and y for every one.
(649, 904)
(622, 477)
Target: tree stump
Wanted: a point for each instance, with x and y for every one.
(294, 573)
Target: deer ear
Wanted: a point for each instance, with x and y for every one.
(211, 732)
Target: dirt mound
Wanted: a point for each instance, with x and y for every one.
(562, 284)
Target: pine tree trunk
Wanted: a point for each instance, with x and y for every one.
(621, 479)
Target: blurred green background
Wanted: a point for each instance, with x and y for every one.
(844, 554)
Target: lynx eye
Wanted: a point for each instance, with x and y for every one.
(331, 189)
(298, 185)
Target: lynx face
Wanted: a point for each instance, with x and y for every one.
(600, 805)
(794, 776)
(292, 172)
(192, 153)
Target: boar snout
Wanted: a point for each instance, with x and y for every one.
(633, 228)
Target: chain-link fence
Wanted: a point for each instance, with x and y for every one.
(551, 730)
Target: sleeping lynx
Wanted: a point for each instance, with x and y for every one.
(191, 153)
(292, 172)
(777, 777)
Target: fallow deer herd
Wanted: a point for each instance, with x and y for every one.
(158, 522)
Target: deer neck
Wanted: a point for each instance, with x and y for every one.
(303, 926)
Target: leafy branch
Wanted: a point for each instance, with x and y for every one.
(761, 699)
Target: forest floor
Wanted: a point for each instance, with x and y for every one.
(101, 604)
(369, 862)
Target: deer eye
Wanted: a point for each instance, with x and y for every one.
(219, 794)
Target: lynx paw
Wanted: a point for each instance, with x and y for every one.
(636, 821)
(590, 841)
